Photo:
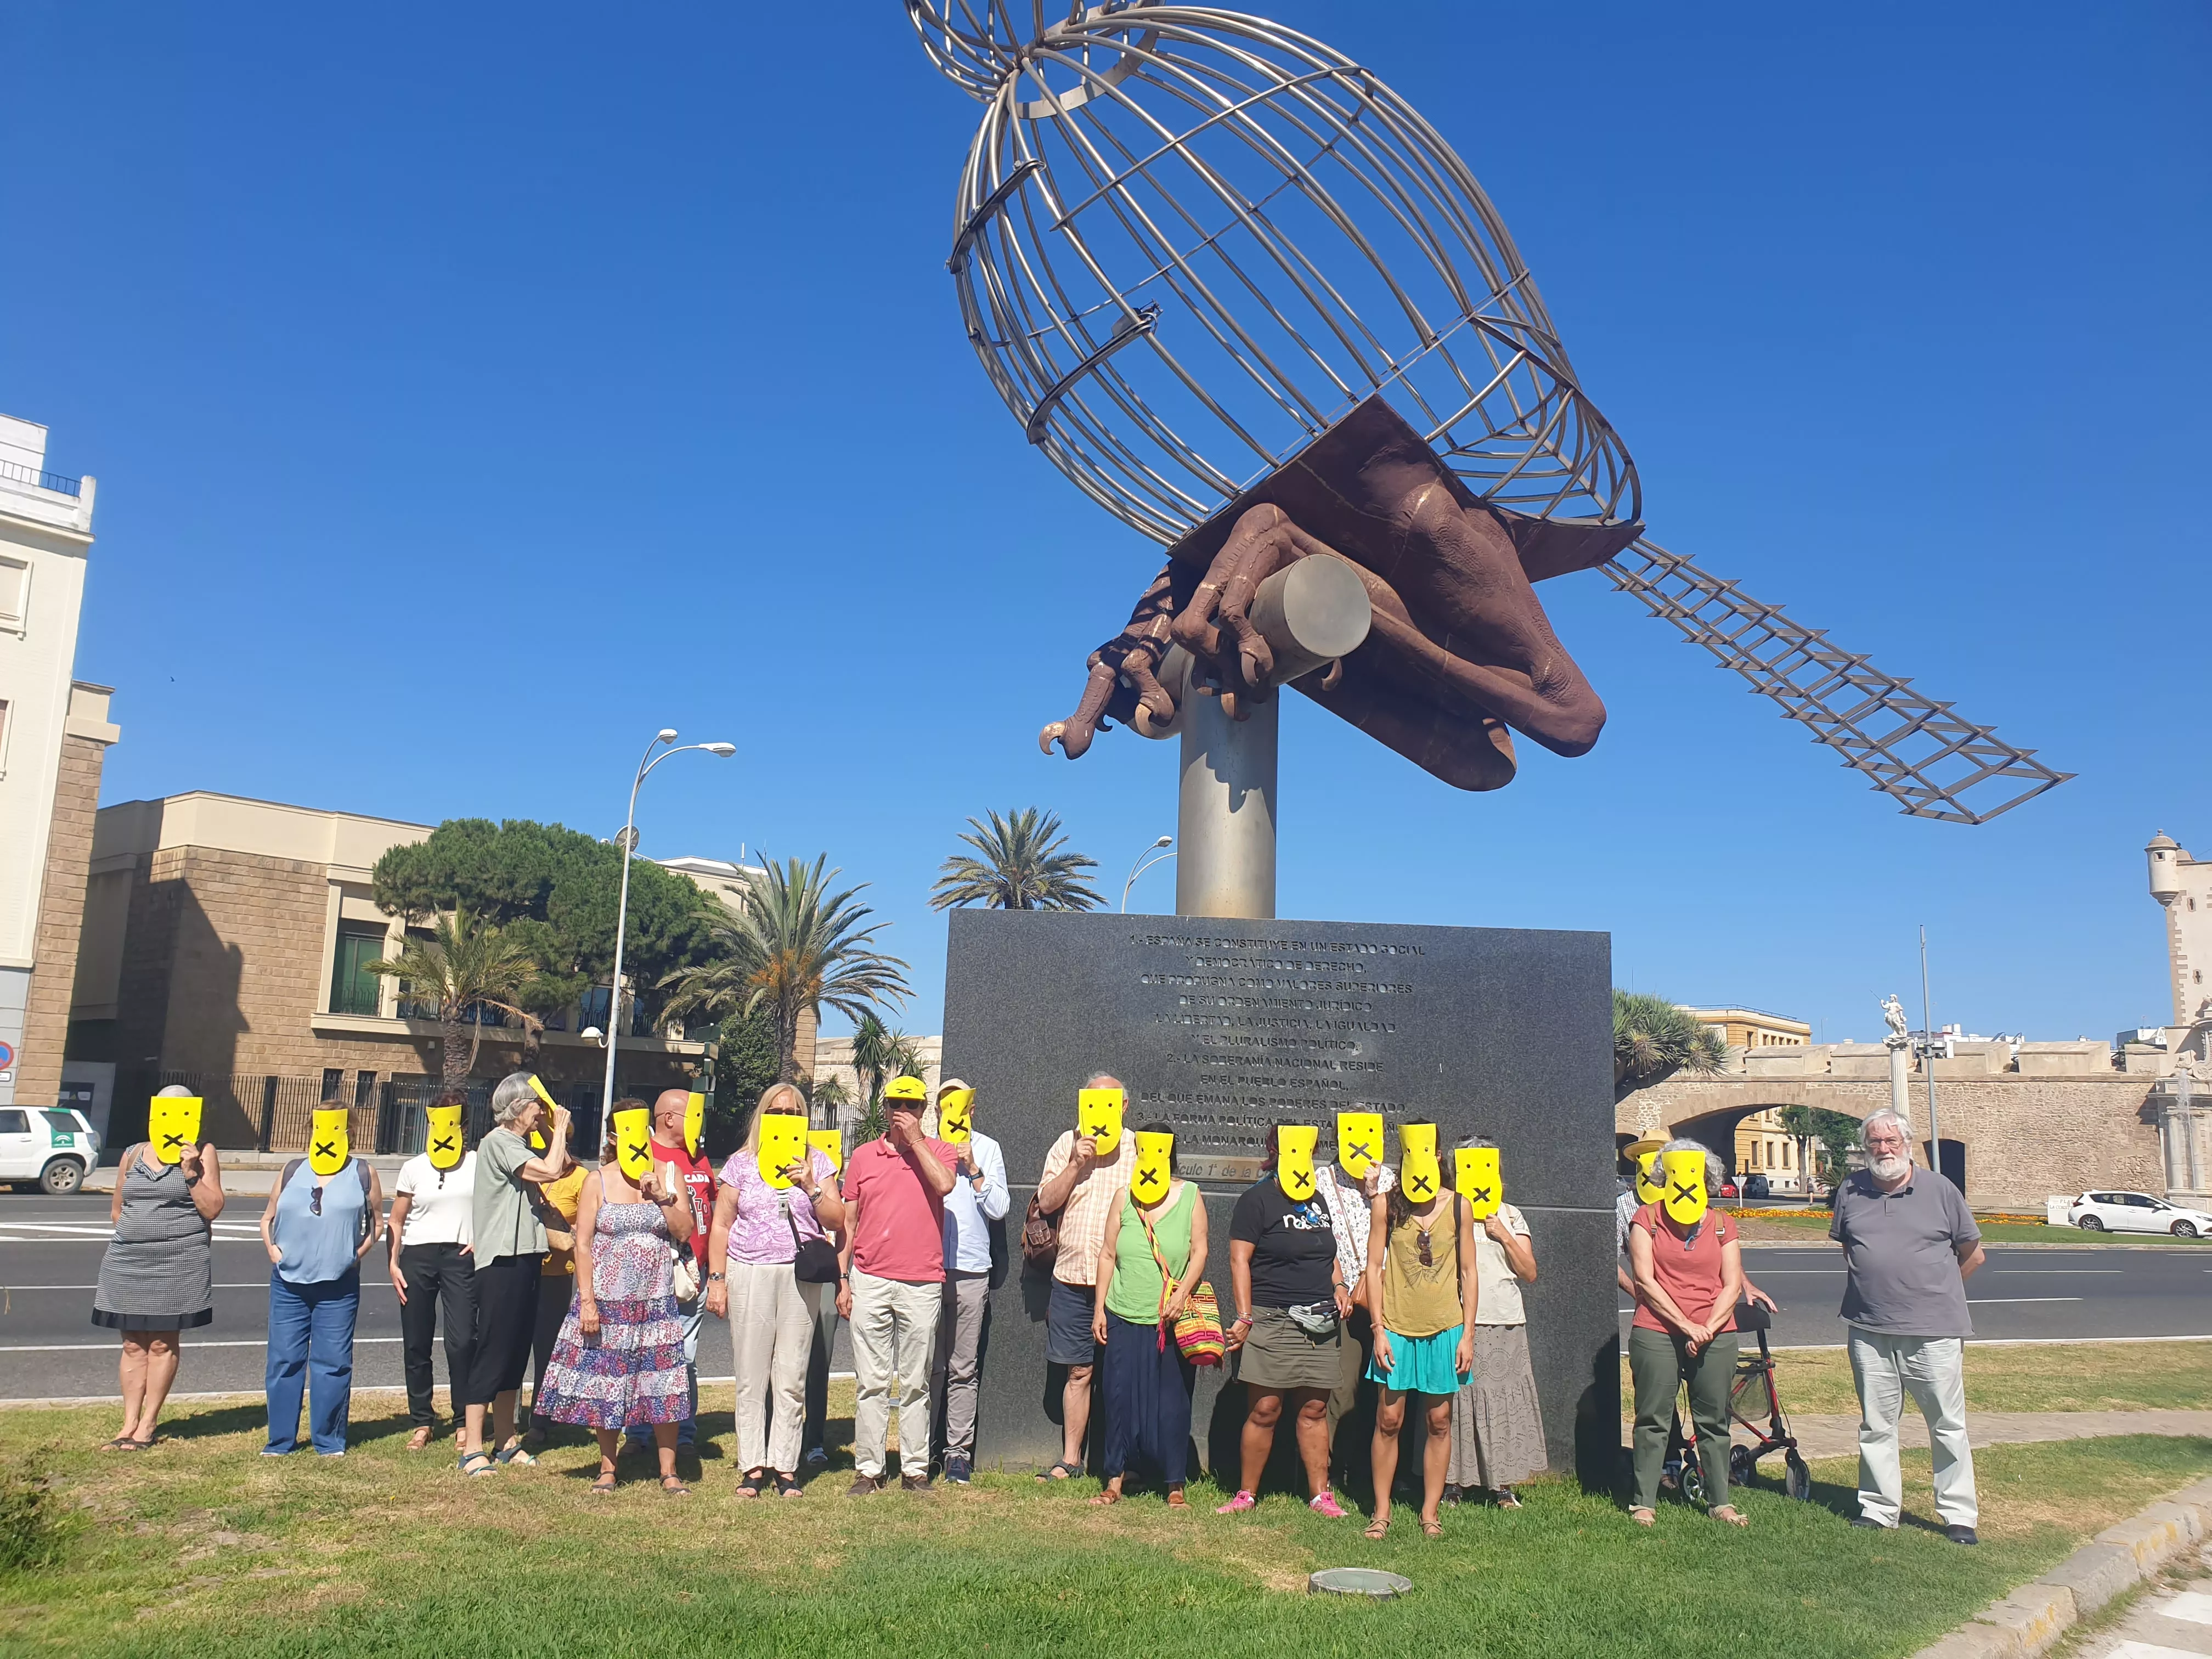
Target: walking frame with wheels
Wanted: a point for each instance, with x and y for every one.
(1752, 1393)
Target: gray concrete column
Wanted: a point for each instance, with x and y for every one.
(1225, 813)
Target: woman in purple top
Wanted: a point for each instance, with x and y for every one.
(751, 1282)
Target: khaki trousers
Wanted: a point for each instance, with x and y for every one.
(894, 1328)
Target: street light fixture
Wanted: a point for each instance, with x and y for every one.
(1146, 859)
(666, 734)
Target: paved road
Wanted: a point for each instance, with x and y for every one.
(2032, 1293)
(50, 1251)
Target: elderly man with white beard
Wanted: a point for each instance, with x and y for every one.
(1909, 1244)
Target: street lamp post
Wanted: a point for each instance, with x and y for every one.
(622, 905)
(1146, 859)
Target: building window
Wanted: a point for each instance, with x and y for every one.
(354, 989)
(364, 1089)
(333, 1080)
(15, 595)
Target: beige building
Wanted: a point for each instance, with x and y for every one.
(54, 734)
(225, 943)
(1762, 1146)
(2183, 887)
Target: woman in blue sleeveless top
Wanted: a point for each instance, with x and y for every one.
(316, 1229)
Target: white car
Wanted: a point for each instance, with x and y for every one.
(2136, 1213)
(54, 1146)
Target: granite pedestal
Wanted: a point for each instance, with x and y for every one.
(1223, 1027)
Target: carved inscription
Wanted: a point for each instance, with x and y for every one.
(1254, 1031)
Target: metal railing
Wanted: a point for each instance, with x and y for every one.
(16, 471)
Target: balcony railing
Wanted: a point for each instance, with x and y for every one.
(18, 473)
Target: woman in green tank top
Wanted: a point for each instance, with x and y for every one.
(1149, 1262)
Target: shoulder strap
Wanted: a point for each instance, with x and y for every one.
(291, 1169)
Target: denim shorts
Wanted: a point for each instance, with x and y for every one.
(1067, 1325)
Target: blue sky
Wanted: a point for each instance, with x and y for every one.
(474, 391)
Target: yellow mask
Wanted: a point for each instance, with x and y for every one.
(445, 1137)
(328, 1148)
(1294, 1160)
(172, 1124)
(1358, 1142)
(537, 1137)
(1148, 1177)
(956, 1115)
(633, 1141)
(1686, 1187)
(1098, 1114)
(1474, 1173)
(782, 1144)
(695, 1120)
(1649, 1189)
(830, 1143)
(1422, 1176)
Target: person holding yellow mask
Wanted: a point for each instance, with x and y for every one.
(1688, 1271)
(1149, 1263)
(1422, 1294)
(432, 1229)
(619, 1362)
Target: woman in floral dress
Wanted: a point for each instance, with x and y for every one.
(618, 1361)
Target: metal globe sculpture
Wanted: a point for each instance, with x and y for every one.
(1248, 300)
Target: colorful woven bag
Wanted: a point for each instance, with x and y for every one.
(1198, 1328)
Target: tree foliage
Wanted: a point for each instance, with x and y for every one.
(1838, 1133)
(1653, 1038)
(795, 945)
(466, 966)
(1022, 866)
(552, 892)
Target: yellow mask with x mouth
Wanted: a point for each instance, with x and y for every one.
(1419, 1172)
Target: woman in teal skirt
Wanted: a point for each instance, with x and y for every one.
(1422, 1305)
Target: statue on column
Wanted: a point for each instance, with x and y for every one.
(1892, 1013)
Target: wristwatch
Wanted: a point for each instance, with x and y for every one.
(717, 1279)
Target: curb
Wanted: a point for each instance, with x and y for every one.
(2032, 1618)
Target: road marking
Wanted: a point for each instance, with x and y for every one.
(1988, 1301)
(226, 1285)
(109, 1347)
(2061, 1270)
(1777, 1272)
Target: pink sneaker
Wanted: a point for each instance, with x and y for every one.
(1238, 1505)
(1327, 1504)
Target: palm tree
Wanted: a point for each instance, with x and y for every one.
(464, 968)
(829, 1100)
(1653, 1037)
(1022, 867)
(795, 945)
(872, 1057)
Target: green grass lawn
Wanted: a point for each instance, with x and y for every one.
(201, 1547)
(2093, 1376)
(1813, 1223)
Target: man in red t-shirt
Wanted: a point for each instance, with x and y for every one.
(891, 1283)
(673, 1162)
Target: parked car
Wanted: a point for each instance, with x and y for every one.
(1728, 1192)
(54, 1146)
(1756, 1189)
(2136, 1213)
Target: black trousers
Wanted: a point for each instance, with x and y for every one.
(507, 1315)
(439, 1278)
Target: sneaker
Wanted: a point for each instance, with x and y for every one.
(956, 1469)
(914, 1483)
(1869, 1522)
(815, 1457)
(864, 1486)
(1960, 1534)
(1238, 1505)
(1327, 1504)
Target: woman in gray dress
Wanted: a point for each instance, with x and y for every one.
(157, 1279)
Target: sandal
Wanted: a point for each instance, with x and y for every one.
(481, 1458)
(1063, 1470)
(605, 1485)
(1177, 1500)
(673, 1486)
(787, 1488)
(420, 1438)
(513, 1452)
(1644, 1517)
(1109, 1496)
(1506, 1499)
(1729, 1513)
(750, 1487)
(1377, 1529)
(1432, 1528)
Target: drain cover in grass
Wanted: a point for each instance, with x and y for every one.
(1357, 1581)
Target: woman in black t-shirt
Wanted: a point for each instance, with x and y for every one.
(1289, 1338)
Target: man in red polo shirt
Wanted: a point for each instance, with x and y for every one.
(675, 1160)
(893, 1283)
